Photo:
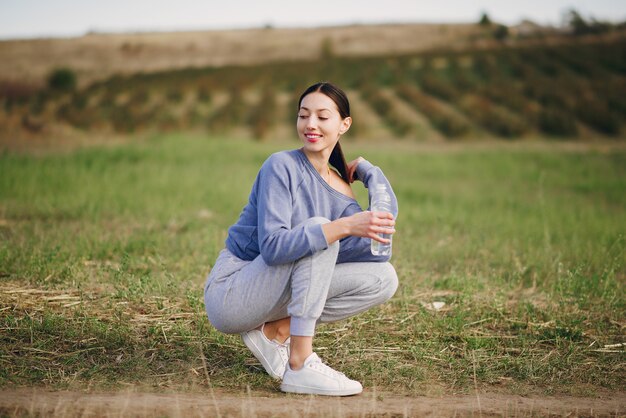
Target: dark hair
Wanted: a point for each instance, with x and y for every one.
(337, 95)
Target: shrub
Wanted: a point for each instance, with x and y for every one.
(174, 95)
(139, 97)
(597, 114)
(434, 85)
(379, 103)
(121, 119)
(485, 67)
(37, 104)
(463, 81)
(16, 92)
(580, 26)
(577, 62)
(520, 69)
(484, 20)
(384, 108)
(292, 108)
(195, 117)
(400, 126)
(493, 118)
(166, 121)
(554, 121)
(509, 95)
(79, 100)
(545, 62)
(501, 32)
(203, 94)
(262, 116)
(83, 118)
(230, 114)
(612, 57)
(443, 119)
(62, 79)
(613, 91)
(327, 49)
(550, 93)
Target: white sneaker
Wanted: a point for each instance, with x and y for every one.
(318, 379)
(273, 355)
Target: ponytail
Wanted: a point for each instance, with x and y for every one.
(338, 161)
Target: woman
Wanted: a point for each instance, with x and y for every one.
(300, 252)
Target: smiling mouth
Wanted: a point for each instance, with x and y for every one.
(313, 137)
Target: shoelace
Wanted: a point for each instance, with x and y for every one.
(283, 351)
(327, 370)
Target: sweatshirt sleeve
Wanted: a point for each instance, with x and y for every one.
(358, 249)
(278, 242)
(371, 175)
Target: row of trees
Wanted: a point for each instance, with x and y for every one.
(573, 22)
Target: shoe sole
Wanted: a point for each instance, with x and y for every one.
(259, 356)
(285, 387)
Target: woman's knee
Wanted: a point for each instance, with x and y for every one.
(218, 317)
(389, 281)
(224, 324)
(214, 319)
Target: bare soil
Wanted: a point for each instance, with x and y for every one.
(39, 402)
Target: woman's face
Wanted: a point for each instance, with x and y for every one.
(319, 123)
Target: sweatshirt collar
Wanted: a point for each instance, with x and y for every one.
(319, 178)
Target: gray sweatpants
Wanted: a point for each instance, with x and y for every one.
(240, 295)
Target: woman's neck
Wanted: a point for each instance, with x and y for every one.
(319, 160)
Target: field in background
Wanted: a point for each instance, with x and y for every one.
(98, 56)
(573, 89)
(104, 251)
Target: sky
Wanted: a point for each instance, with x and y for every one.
(64, 18)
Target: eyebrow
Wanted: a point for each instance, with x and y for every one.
(319, 110)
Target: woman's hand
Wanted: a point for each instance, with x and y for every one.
(371, 224)
(352, 168)
(362, 224)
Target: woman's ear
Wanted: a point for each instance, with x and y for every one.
(345, 125)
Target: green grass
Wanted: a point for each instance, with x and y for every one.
(104, 252)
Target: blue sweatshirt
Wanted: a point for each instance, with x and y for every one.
(287, 191)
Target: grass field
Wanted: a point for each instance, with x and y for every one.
(104, 251)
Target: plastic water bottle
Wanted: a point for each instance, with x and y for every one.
(381, 202)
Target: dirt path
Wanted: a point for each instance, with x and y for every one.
(37, 402)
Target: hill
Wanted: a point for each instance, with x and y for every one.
(476, 87)
(97, 56)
